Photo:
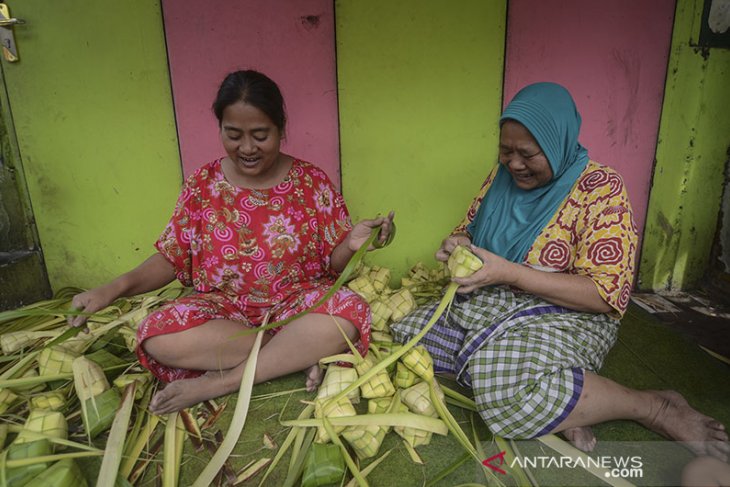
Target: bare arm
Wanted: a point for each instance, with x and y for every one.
(572, 291)
(151, 274)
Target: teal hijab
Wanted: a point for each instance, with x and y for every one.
(509, 219)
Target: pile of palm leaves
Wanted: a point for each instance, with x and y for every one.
(66, 394)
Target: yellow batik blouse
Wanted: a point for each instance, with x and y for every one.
(592, 234)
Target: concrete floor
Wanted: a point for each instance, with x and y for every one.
(701, 316)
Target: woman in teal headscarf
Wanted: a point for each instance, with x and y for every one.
(532, 327)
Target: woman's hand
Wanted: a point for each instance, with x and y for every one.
(572, 291)
(90, 301)
(151, 274)
(495, 270)
(361, 231)
(450, 243)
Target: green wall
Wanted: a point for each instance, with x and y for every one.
(694, 138)
(91, 105)
(420, 86)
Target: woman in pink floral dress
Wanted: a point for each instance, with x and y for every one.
(255, 233)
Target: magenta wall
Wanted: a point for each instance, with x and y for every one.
(291, 41)
(612, 56)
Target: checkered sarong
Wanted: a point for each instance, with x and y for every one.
(523, 357)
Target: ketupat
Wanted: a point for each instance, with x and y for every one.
(18, 476)
(331, 409)
(401, 303)
(364, 287)
(380, 337)
(50, 423)
(414, 436)
(13, 341)
(7, 398)
(380, 278)
(99, 402)
(100, 411)
(378, 386)
(324, 465)
(365, 440)
(89, 378)
(463, 263)
(381, 405)
(56, 360)
(52, 401)
(419, 361)
(418, 399)
(336, 378)
(380, 313)
(404, 377)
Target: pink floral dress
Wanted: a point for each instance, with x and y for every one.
(249, 252)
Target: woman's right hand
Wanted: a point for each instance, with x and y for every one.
(450, 243)
(153, 273)
(90, 301)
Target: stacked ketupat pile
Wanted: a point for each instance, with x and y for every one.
(409, 387)
(383, 397)
(50, 370)
(389, 305)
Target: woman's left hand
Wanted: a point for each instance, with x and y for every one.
(495, 270)
(361, 231)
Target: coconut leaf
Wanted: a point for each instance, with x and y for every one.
(239, 419)
(117, 436)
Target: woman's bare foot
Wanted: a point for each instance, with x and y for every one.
(581, 437)
(675, 419)
(187, 392)
(314, 377)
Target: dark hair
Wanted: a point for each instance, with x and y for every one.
(255, 89)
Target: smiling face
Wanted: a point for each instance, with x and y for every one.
(520, 153)
(252, 143)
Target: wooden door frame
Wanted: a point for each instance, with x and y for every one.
(23, 275)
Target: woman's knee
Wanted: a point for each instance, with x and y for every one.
(512, 416)
(158, 347)
(352, 332)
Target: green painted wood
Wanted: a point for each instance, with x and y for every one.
(23, 277)
(694, 140)
(91, 103)
(420, 92)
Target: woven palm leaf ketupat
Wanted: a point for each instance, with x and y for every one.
(404, 377)
(379, 385)
(324, 408)
(50, 423)
(401, 303)
(463, 263)
(52, 401)
(419, 361)
(56, 360)
(380, 278)
(337, 378)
